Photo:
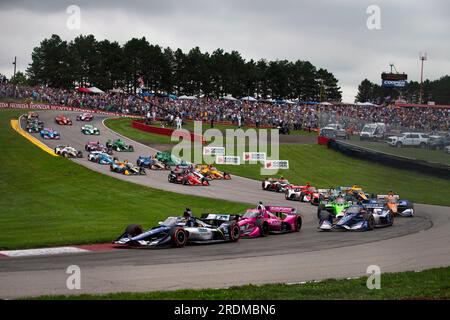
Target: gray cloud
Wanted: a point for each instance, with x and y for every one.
(330, 34)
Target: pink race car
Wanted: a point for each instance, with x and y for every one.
(269, 219)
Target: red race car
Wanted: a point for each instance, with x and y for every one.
(274, 184)
(63, 120)
(306, 193)
(187, 178)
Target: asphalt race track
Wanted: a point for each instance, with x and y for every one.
(411, 244)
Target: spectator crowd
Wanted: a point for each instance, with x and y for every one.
(296, 116)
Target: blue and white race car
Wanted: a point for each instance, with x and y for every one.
(151, 163)
(49, 133)
(359, 217)
(101, 158)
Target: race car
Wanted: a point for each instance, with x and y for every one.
(178, 231)
(119, 145)
(31, 115)
(85, 117)
(34, 126)
(101, 158)
(97, 146)
(49, 133)
(171, 160)
(355, 191)
(126, 168)
(300, 193)
(68, 152)
(358, 218)
(277, 185)
(404, 208)
(212, 172)
(63, 120)
(187, 178)
(335, 205)
(269, 219)
(90, 130)
(151, 163)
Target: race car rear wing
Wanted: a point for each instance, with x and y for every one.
(216, 219)
(385, 196)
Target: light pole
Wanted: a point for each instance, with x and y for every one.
(423, 58)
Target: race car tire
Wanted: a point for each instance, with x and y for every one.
(370, 221)
(227, 176)
(298, 224)
(234, 232)
(131, 148)
(262, 185)
(179, 237)
(79, 154)
(301, 197)
(320, 209)
(134, 230)
(263, 228)
(325, 216)
(391, 219)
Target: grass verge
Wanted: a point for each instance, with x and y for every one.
(429, 284)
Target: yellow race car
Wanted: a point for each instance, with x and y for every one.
(212, 172)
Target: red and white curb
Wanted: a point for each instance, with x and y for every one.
(56, 251)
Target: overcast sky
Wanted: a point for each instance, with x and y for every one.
(330, 34)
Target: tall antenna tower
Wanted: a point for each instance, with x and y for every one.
(423, 57)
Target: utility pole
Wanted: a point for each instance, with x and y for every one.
(15, 66)
(423, 58)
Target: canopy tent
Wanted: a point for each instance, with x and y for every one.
(117, 90)
(95, 90)
(184, 97)
(290, 102)
(251, 99)
(89, 90)
(325, 104)
(365, 104)
(229, 97)
(83, 90)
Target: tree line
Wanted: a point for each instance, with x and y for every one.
(437, 91)
(106, 64)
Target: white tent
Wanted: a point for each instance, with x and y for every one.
(251, 99)
(326, 104)
(117, 90)
(229, 97)
(95, 90)
(187, 98)
(290, 102)
(366, 104)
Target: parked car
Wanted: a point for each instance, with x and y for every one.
(373, 131)
(409, 139)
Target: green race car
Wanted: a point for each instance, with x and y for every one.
(90, 130)
(170, 160)
(335, 205)
(119, 145)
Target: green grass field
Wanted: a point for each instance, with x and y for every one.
(326, 168)
(49, 201)
(429, 284)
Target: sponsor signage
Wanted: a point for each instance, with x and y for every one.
(394, 83)
(394, 76)
(254, 156)
(62, 108)
(213, 151)
(232, 160)
(276, 164)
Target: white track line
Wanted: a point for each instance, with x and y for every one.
(42, 252)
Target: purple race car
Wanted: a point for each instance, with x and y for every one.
(269, 219)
